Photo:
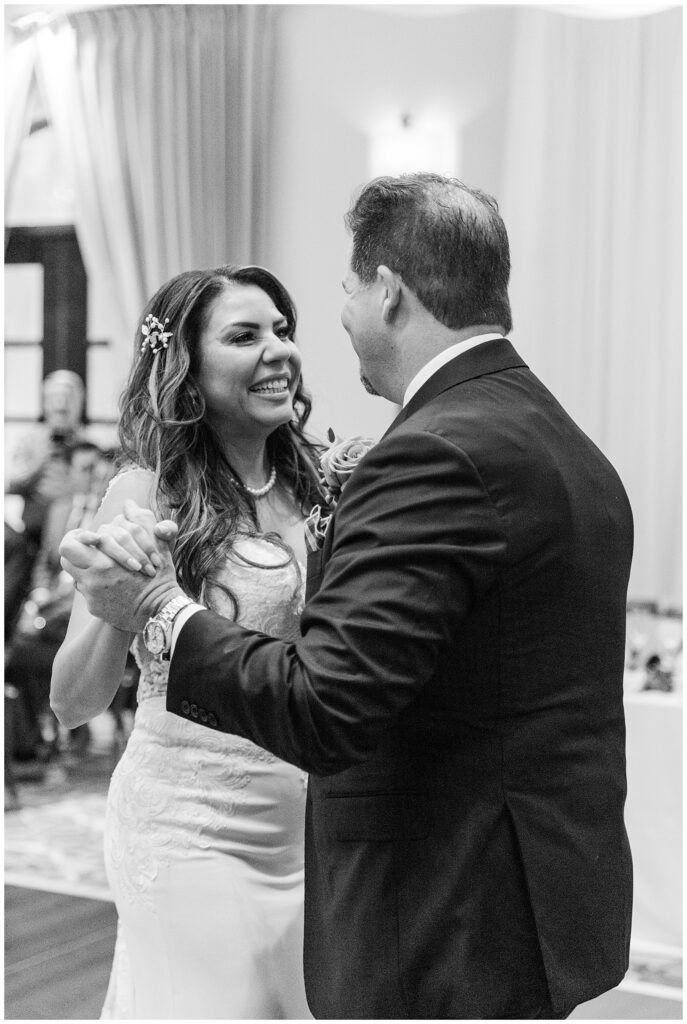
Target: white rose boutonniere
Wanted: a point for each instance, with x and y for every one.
(336, 466)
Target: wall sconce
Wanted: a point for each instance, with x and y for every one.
(411, 147)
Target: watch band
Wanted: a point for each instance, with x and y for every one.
(170, 611)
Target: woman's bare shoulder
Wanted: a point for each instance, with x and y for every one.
(132, 483)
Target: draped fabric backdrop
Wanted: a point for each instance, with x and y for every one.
(19, 79)
(592, 201)
(162, 115)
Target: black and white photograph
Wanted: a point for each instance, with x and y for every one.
(343, 511)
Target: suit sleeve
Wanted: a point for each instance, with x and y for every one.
(417, 541)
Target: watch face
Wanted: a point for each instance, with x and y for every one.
(154, 637)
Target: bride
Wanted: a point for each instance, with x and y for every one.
(204, 831)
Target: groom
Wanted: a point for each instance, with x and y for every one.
(457, 694)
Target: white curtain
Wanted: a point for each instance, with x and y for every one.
(592, 200)
(161, 111)
(20, 61)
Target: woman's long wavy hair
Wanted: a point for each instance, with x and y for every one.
(163, 426)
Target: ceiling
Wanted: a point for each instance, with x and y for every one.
(13, 12)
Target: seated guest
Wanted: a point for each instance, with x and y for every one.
(37, 467)
(42, 626)
(76, 508)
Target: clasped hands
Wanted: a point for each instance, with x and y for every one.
(124, 569)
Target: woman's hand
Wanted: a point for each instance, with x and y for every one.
(128, 544)
(129, 539)
(108, 566)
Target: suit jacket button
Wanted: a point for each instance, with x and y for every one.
(194, 710)
(203, 715)
(211, 719)
(185, 706)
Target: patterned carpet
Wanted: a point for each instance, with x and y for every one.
(53, 842)
(57, 847)
(53, 838)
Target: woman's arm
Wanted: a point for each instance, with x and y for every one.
(89, 665)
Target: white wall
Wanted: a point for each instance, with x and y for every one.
(340, 72)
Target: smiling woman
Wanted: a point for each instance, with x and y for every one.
(205, 831)
(193, 416)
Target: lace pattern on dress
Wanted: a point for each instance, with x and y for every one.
(178, 782)
(154, 818)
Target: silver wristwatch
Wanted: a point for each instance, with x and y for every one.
(157, 632)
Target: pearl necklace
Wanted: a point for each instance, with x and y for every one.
(260, 492)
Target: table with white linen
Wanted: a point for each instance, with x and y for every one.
(654, 817)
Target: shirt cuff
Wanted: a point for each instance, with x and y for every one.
(180, 620)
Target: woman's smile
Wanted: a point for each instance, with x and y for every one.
(271, 387)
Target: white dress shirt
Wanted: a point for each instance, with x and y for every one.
(183, 616)
(430, 368)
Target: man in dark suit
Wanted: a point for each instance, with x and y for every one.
(457, 694)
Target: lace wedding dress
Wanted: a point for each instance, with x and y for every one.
(204, 841)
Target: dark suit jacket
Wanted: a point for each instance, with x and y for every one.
(457, 696)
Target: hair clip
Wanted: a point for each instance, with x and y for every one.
(155, 335)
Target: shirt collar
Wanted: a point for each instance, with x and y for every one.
(430, 368)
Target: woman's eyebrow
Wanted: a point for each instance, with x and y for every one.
(256, 327)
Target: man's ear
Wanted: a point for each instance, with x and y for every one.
(391, 292)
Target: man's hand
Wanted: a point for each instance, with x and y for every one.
(106, 564)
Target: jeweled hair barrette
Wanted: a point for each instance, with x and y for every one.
(155, 337)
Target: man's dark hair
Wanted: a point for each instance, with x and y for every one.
(446, 241)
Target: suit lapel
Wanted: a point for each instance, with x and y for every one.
(490, 357)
